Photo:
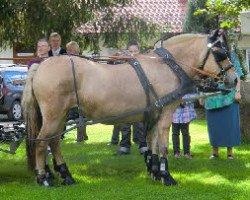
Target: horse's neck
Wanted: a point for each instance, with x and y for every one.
(189, 53)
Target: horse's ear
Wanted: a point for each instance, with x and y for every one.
(214, 35)
(223, 39)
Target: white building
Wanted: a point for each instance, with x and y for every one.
(244, 42)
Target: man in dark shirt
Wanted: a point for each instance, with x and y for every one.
(55, 44)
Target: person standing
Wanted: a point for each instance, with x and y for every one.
(55, 44)
(138, 127)
(223, 116)
(42, 52)
(72, 48)
(182, 117)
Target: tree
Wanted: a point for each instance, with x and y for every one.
(227, 11)
(198, 23)
(26, 21)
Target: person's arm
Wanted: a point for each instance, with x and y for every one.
(237, 95)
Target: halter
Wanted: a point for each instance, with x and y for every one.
(223, 54)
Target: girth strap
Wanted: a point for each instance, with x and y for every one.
(148, 87)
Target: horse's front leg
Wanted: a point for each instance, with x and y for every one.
(163, 142)
(59, 164)
(148, 153)
(151, 155)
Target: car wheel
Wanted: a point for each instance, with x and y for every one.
(15, 112)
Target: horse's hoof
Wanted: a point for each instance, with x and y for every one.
(168, 180)
(44, 181)
(68, 181)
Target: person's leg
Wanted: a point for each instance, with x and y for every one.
(81, 134)
(230, 153)
(115, 135)
(126, 139)
(215, 153)
(186, 139)
(136, 132)
(176, 139)
(141, 137)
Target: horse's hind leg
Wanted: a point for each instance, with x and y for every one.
(49, 128)
(41, 156)
(59, 164)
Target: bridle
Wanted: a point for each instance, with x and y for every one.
(219, 55)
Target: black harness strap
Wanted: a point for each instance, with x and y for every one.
(147, 86)
(186, 86)
(80, 112)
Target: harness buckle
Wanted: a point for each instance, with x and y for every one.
(159, 104)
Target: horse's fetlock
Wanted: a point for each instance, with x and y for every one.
(43, 180)
(63, 170)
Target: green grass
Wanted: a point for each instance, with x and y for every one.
(100, 175)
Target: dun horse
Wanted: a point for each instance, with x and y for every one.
(50, 93)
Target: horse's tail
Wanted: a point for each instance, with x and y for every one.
(32, 116)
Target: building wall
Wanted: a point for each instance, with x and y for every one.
(6, 53)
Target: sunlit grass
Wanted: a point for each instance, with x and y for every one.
(100, 175)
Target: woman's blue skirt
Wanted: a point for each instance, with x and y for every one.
(224, 126)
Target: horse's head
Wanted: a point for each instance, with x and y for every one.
(217, 58)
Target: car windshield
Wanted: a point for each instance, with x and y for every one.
(15, 77)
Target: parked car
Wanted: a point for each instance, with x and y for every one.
(12, 80)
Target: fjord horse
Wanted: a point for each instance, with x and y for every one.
(49, 94)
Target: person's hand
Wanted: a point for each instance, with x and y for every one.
(237, 96)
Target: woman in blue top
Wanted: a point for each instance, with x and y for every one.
(223, 117)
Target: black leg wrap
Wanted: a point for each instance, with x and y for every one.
(148, 161)
(166, 178)
(56, 167)
(155, 167)
(48, 172)
(43, 180)
(65, 174)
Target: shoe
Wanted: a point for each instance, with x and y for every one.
(142, 150)
(118, 153)
(230, 157)
(177, 155)
(213, 156)
(86, 138)
(188, 156)
(112, 144)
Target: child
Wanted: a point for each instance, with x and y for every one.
(183, 115)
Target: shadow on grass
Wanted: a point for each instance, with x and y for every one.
(96, 160)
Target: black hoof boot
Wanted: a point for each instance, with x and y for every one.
(166, 178)
(49, 173)
(68, 181)
(155, 174)
(148, 161)
(44, 181)
(65, 174)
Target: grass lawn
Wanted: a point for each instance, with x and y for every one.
(100, 175)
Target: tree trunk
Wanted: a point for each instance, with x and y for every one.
(245, 110)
